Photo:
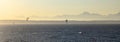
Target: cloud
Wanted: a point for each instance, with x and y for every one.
(90, 16)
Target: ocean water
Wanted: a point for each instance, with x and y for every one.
(60, 33)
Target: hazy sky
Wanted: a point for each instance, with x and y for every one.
(52, 9)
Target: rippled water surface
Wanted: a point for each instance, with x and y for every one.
(60, 33)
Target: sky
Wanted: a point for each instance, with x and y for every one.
(60, 9)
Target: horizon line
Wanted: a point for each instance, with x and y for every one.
(60, 20)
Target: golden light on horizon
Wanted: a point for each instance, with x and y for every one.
(49, 9)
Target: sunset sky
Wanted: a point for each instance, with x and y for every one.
(60, 9)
